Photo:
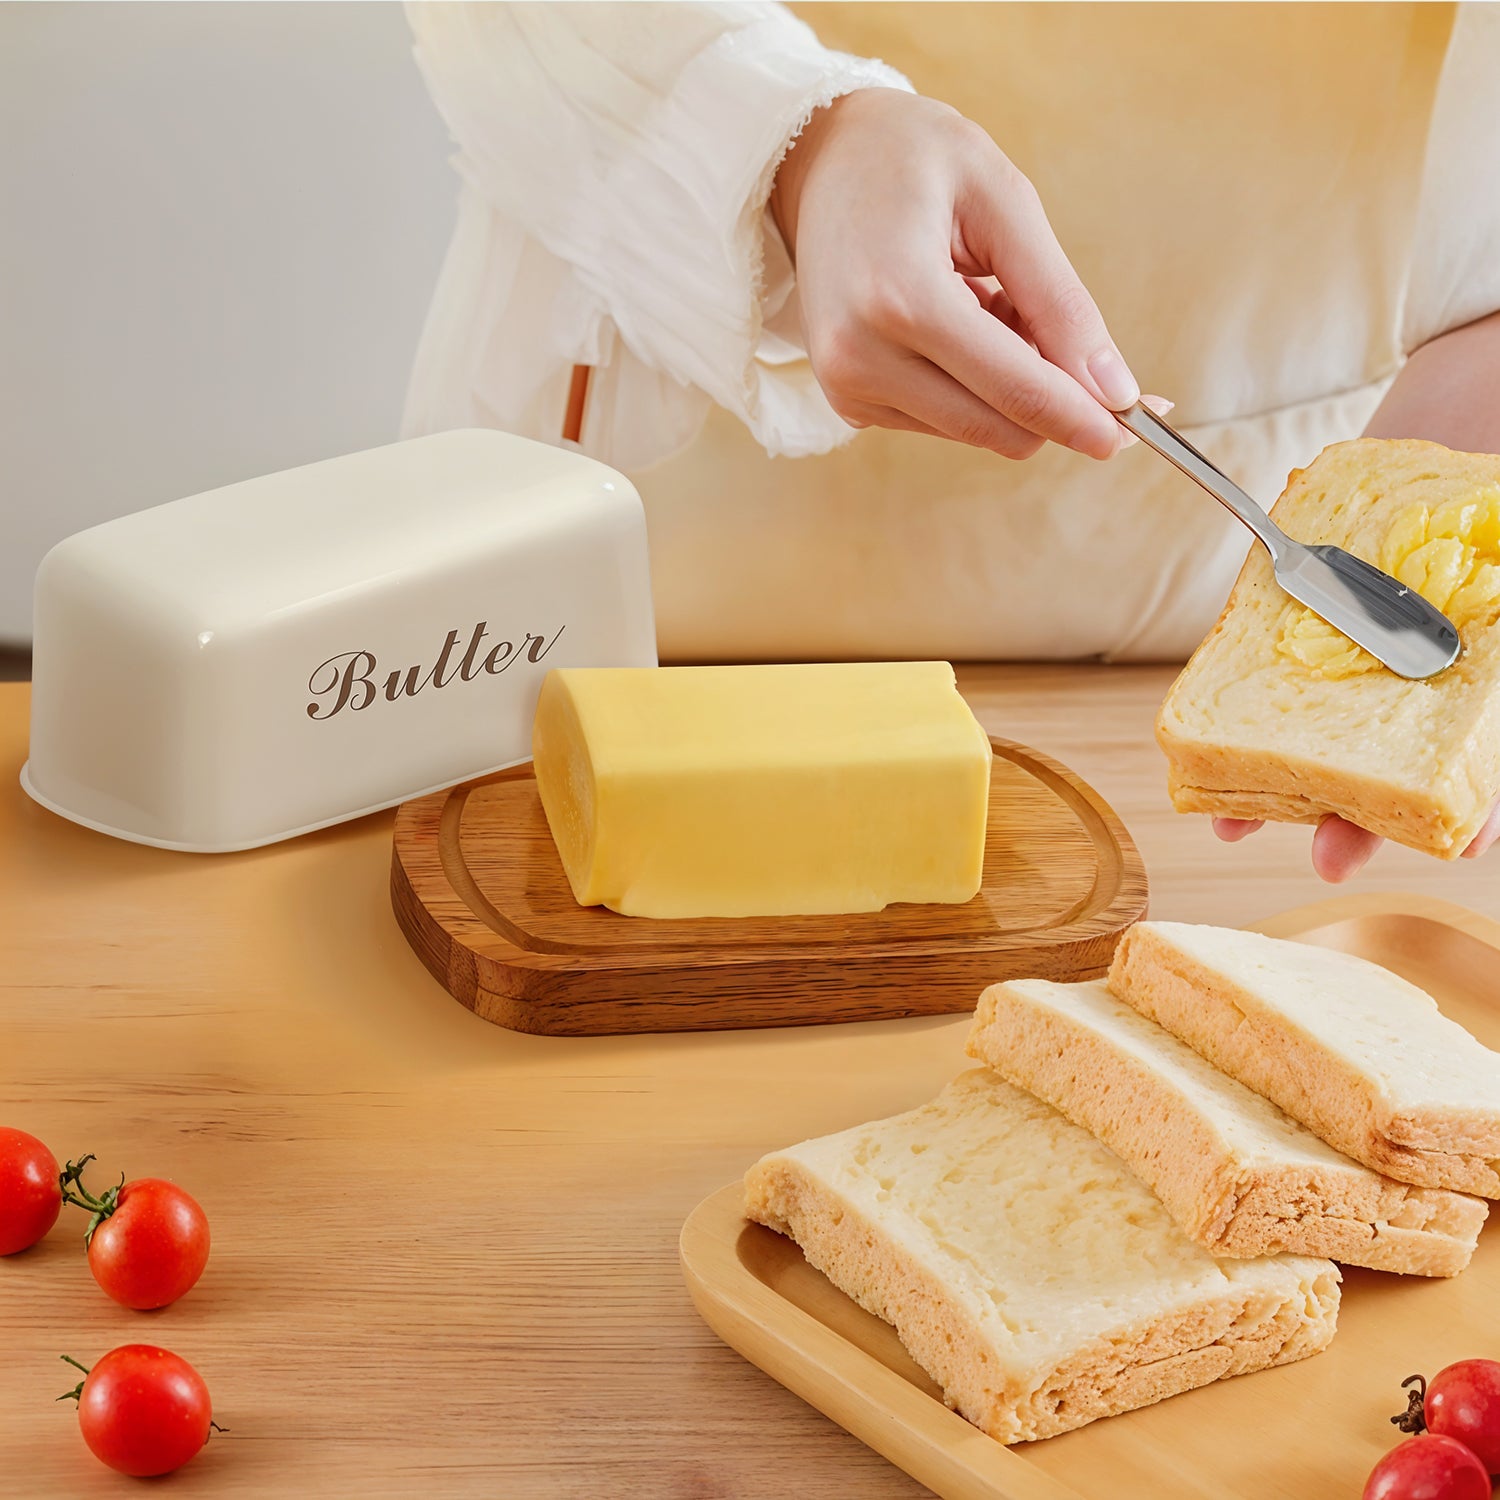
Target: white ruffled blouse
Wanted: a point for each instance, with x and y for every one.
(1279, 235)
(616, 162)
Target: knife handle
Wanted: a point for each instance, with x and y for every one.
(1158, 434)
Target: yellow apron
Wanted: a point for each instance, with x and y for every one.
(1237, 184)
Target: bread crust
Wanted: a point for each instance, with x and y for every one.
(1230, 1205)
(1312, 1082)
(1433, 788)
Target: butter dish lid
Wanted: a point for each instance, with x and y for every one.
(242, 665)
(338, 524)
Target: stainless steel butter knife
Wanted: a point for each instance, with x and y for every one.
(1395, 624)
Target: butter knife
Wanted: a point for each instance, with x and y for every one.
(1395, 624)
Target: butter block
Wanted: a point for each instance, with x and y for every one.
(763, 790)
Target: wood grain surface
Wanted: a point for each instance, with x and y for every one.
(479, 891)
(445, 1254)
(1319, 1425)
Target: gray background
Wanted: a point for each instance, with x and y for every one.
(220, 226)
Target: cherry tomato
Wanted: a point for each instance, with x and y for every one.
(29, 1195)
(1463, 1402)
(1429, 1467)
(153, 1247)
(142, 1410)
(147, 1241)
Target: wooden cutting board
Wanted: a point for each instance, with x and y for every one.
(480, 893)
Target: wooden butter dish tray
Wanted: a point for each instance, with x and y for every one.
(1308, 1431)
(480, 893)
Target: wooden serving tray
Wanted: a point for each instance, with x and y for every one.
(480, 893)
(1308, 1431)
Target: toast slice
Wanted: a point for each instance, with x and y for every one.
(1357, 1054)
(1027, 1269)
(1277, 715)
(1240, 1177)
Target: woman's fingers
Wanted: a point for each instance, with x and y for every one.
(1341, 849)
(1008, 375)
(1232, 830)
(1486, 835)
(907, 386)
(1004, 227)
(992, 298)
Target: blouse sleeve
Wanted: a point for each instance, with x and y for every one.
(616, 161)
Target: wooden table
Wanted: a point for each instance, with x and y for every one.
(444, 1256)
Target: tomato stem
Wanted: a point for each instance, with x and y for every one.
(76, 1394)
(70, 1185)
(1414, 1418)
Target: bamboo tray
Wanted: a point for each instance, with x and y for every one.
(1309, 1431)
(480, 893)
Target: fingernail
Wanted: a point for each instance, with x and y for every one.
(1159, 404)
(1116, 384)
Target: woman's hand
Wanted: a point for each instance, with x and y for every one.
(935, 297)
(1341, 849)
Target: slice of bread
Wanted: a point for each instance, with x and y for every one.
(1240, 1177)
(1026, 1268)
(1279, 716)
(1360, 1056)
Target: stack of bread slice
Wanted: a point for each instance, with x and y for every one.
(1146, 1185)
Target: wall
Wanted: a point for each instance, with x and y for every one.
(220, 228)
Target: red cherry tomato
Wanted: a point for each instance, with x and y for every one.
(153, 1247)
(1429, 1467)
(143, 1410)
(148, 1239)
(1463, 1402)
(29, 1196)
